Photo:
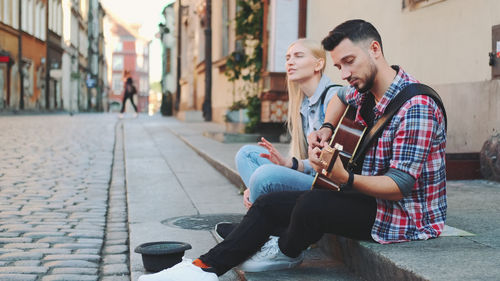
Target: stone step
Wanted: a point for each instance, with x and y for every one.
(316, 267)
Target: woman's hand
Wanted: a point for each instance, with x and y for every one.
(246, 199)
(274, 155)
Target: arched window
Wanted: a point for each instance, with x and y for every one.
(15, 13)
(36, 21)
(59, 18)
(43, 20)
(31, 16)
(24, 15)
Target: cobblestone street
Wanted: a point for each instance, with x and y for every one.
(61, 216)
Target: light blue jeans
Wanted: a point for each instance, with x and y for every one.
(262, 176)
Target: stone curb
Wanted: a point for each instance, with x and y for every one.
(226, 171)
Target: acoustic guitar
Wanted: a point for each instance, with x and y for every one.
(343, 144)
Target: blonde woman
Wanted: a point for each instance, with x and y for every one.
(262, 168)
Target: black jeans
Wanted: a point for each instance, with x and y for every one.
(125, 97)
(305, 216)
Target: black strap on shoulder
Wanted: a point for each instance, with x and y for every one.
(414, 89)
(325, 91)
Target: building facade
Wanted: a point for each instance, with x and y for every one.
(444, 44)
(453, 46)
(23, 72)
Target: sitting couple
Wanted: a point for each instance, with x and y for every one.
(399, 195)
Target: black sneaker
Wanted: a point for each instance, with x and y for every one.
(222, 230)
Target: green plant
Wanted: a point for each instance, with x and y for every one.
(246, 61)
(253, 107)
(249, 36)
(237, 105)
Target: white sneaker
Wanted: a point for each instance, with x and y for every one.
(183, 271)
(270, 257)
(120, 115)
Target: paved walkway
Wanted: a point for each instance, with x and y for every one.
(54, 180)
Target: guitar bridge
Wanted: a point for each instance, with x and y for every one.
(328, 156)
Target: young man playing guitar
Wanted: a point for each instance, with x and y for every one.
(399, 196)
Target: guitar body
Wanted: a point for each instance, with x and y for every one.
(343, 144)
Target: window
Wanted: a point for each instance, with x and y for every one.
(31, 16)
(117, 84)
(15, 14)
(40, 20)
(119, 46)
(117, 62)
(139, 50)
(44, 21)
(24, 15)
(238, 43)
(7, 12)
(53, 17)
(36, 25)
(3, 15)
(139, 62)
(144, 88)
(59, 20)
(225, 28)
(168, 60)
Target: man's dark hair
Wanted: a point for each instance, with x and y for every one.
(354, 30)
(129, 81)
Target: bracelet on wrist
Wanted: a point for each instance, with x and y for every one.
(328, 125)
(295, 163)
(348, 186)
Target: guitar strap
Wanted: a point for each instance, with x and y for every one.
(393, 107)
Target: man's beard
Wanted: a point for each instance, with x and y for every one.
(370, 80)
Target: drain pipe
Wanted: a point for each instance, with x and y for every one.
(20, 58)
(207, 103)
(179, 37)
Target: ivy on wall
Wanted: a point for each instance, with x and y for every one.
(246, 61)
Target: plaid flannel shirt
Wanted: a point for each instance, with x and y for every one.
(414, 142)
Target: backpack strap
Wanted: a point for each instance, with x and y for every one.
(325, 91)
(414, 89)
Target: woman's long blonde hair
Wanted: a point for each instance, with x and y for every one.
(298, 146)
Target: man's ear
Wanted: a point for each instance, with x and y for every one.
(375, 49)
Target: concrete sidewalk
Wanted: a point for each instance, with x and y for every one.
(167, 178)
